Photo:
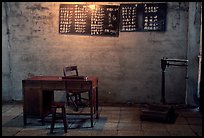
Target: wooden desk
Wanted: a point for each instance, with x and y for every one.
(38, 94)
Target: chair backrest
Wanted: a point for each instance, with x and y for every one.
(70, 71)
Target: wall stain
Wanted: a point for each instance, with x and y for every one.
(41, 16)
(197, 20)
(179, 7)
(37, 7)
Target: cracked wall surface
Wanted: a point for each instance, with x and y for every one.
(128, 66)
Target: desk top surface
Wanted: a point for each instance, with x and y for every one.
(60, 78)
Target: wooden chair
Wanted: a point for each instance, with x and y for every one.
(73, 71)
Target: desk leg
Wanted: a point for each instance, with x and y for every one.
(24, 119)
(43, 120)
(97, 102)
(91, 106)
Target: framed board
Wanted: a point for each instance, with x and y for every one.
(102, 20)
(154, 17)
(128, 17)
(74, 19)
(143, 17)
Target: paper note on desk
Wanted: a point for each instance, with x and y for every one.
(74, 77)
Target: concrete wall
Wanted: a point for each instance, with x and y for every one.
(6, 75)
(128, 66)
(193, 52)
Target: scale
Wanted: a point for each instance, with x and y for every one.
(163, 112)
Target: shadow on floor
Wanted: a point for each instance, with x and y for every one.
(74, 122)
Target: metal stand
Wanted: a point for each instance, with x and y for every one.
(165, 62)
(162, 112)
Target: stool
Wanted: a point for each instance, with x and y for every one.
(63, 115)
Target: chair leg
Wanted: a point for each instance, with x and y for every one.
(53, 120)
(70, 100)
(76, 99)
(75, 105)
(67, 97)
(64, 119)
(79, 98)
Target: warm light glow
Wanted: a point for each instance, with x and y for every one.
(92, 7)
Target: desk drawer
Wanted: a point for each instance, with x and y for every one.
(79, 85)
(53, 85)
(31, 84)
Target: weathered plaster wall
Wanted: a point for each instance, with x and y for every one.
(6, 78)
(128, 66)
(193, 52)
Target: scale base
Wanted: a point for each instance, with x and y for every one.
(159, 113)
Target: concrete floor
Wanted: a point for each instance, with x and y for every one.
(113, 121)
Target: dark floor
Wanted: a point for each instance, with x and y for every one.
(113, 121)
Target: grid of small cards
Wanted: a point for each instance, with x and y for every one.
(74, 19)
(143, 17)
(128, 17)
(154, 17)
(97, 20)
(106, 19)
(81, 19)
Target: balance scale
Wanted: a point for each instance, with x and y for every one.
(163, 112)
